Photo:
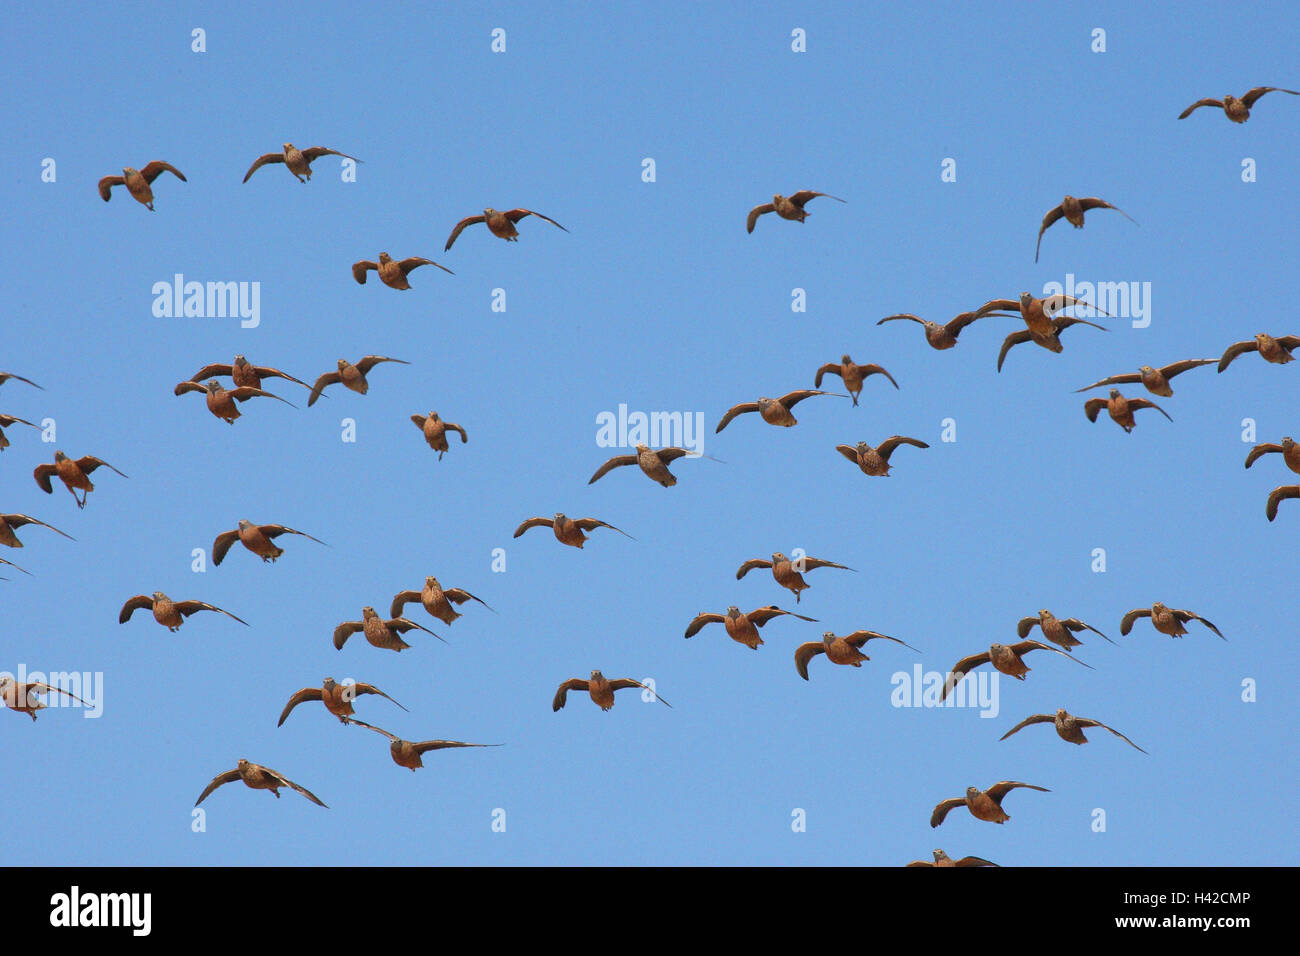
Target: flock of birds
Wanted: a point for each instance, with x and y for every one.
(1043, 326)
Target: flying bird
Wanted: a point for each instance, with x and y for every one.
(601, 690)
(11, 521)
(336, 697)
(939, 336)
(380, 633)
(787, 207)
(298, 161)
(257, 777)
(942, 859)
(221, 401)
(1289, 450)
(1155, 380)
(245, 373)
(1005, 658)
(393, 272)
(853, 375)
(350, 376)
(845, 650)
(1237, 110)
(568, 530)
(170, 614)
(1055, 629)
(25, 698)
(787, 573)
(983, 804)
(1072, 210)
(256, 538)
(6, 421)
(502, 224)
(875, 461)
(1164, 619)
(653, 461)
(435, 431)
(775, 411)
(73, 474)
(436, 599)
(138, 181)
(1275, 350)
(407, 753)
(1120, 409)
(1050, 342)
(1068, 727)
(742, 628)
(1275, 498)
(1038, 314)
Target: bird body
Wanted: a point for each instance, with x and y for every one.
(257, 777)
(983, 804)
(741, 628)
(435, 600)
(601, 690)
(170, 614)
(787, 207)
(73, 473)
(435, 431)
(138, 182)
(852, 374)
(567, 530)
(875, 461)
(392, 272)
(297, 161)
(1236, 109)
(1120, 409)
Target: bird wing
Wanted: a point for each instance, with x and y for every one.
(573, 683)
(1074, 624)
(700, 620)
(245, 392)
(1024, 647)
(1275, 498)
(997, 305)
(1003, 787)
(1036, 719)
(329, 378)
(858, 638)
(360, 688)
(359, 269)
(1186, 616)
(741, 409)
(42, 474)
(414, 262)
(760, 616)
(514, 215)
(405, 597)
(1237, 348)
(749, 223)
(1012, 340)
(1199, 103)
(5, 376)
(262, 161)
(751, 565)
(293, 786)
(672, 453)
(460, 596)
(132, 605)
(265, 371)
(316, 152)
(941, 810)
(812, 564)
(1092, 408)
(192, 607)
(792, 399)
(222, 544)
(460, 226)
(623, 683)
(1092, 202)
(307, 693)
(961, 669)
(804, 653)
(1128, 378)
(425, 746)
(155, 169)
(275, 530)
(1088, 722)
(849, 452)
(451, 427)
(1259, 451)
(230, 776)
(1250, 98)
(618, 461)
(591, 524)
(18, 520)
(1026, 625)
(1126, 624)
(106, 186)
(974, 861)
(886, 447)
(804, 195)
(1288, 341)
(1051, 217)
(534, 523)
(1135, 403)
(866, 370)
(378, 730)
(88, 463)
(346, 630)
(830, 367)
(901, 315)
(403, 624)
(370, 361)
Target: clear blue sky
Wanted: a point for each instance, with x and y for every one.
(658, 299)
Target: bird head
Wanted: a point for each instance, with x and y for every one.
(343, 363)
(129, 170)
(777, 198)
(996, 648)
(733, 611)
(828, 636)
(1061, 713)
(385, 257)
(939, 855)
(243, 763)
(212, 385)
(159, 596)
(972, 792)
(777, 557)
(1287, 442)
(597, 675)
(845, 360)
(1114, 393)
(245, 524)
(368, 613)
(431, 582)
(1159, 607)
(489, 212)
(1145, 368)
(286, 146)
(559, 517)
(240, 360)
(641, 448)
(1025, 299)
(60, 456)
(1261, 338)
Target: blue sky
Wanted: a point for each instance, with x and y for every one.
(658, 299)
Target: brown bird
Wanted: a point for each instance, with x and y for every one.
(25, 698)
(1164, 619)
(742, 628)
(942, 336)
(350, 376)
(337, 698)
(297, 160)
(652, 461)
(983, 805)
(256, 538)
(944, 860)
(1056, 630)
(1005, 658)
(257, 777)
(1068, 727)
(852, 374)
(170, 614)
(6, 421)
(436, 600)
(1237, 110)
(787, 207)
(1038, 314)
(1073, 209)
(6, 376)
(407, 753)
(9, 522)
(221, 401)
(568, 530)
(244, 373)
(392, 272)
(875, 461)
(787, 573)
(380, 633)
(502, 224)
(1275, 350)
(601, 690)
(1121, 409)
(1289, 450)
(839, 650)
(1155, 380)
(1275, 498)
(138, 181)
(435, 431)
(1050, 342)
(775, 411)
(72, 474)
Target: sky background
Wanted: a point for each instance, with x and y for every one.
(658, 299)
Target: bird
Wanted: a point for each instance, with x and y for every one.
(1164, 619)
(392, 272)
(742, 628)
(138, 181)
(298, 161)
(775, 411)
(336, 697)
(170, 614)
(568, 530)
(1121, 409)
(1275, 350)
(1155, 380)
(350, 376)
(939, 336)
(1055, 629)
(787, 207)
(380, 633)
(853, 375)
(6, 421)
(787, 573)
(72, 473)
(1237, 110)
(1073, 209)
(407, 753)
(1050, 342)
(221, 401)
(257, 777)
(502, 224)
(1289, 450)
(601, 690)
(1275, 498)
(256, 538)
(244, 373)
(1005, 658)
(1037, 313)
(435, 431)
(6, 376)
(653, 461)
(25, 698)
(436, 599)
(1068, 727)
(839, 650)
(10, 521)
(942, 859)
(983, 804)
(875, 461)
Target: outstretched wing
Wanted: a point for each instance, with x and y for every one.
(1129, 378)
(156, 168)
(1036, 719)
(534, 523)
(88, 463)
(803, 195)
(1197, 105)
(106, 186)
(404, 598)
(941, 810)
(749, 223)
(1147, 403)
(230, 776)
(1186, 616)
(1012, 340)
(262, 161)
(623, 683)
(1074, 624)
(573, 683)
(132, 605)
(307, 693)
(1276, 495)
(741, 409)
(961, 669)
(700, 620)
(1126, 624)
(1050, 218)
(370, 361)
(359, 269)
(751, 565)
(1250, 98)
(346, 630)
(591, 524)
(618, 461)
(191, 607)
(414, 262)
(460, 226)
(514, 215)
(222, 544)
(1237, 348)
(829, 367)
(1003, 787)
(804, 653)
(1087, 722)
